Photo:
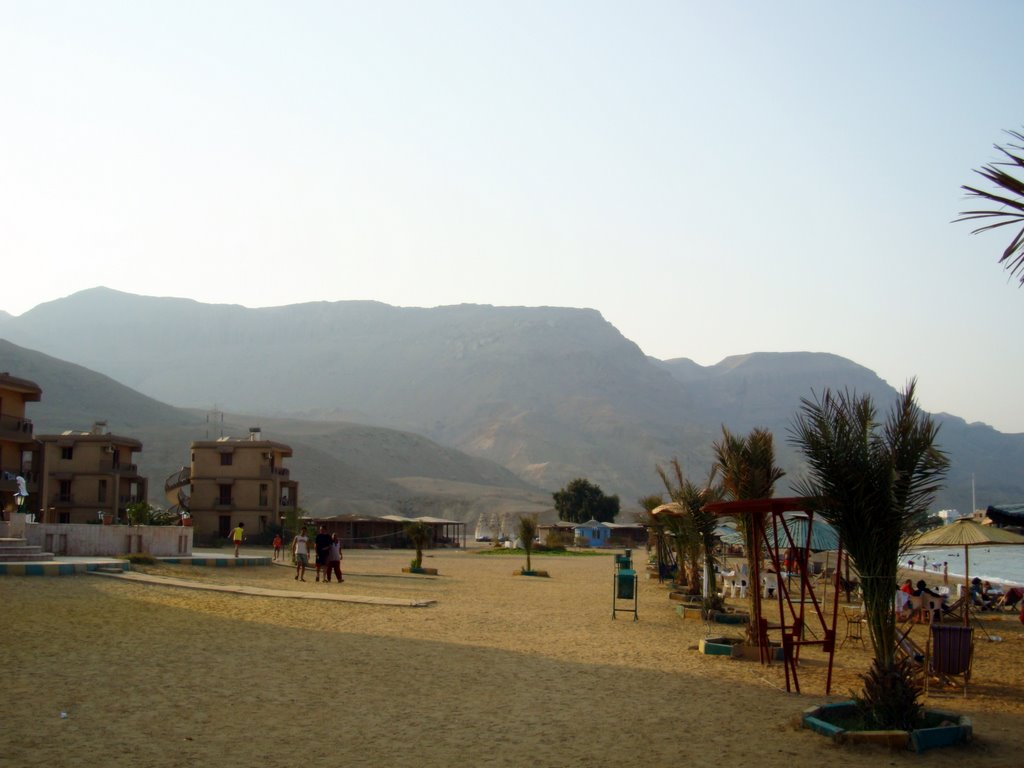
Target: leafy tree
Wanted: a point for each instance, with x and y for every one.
(874, 483)
(144, 513)
(582, 500)
(528, 532)
(1008, 201)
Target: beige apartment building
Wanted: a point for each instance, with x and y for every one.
(236, 480)
(19, 456)
(89, 475)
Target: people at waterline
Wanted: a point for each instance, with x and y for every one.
(237, 536)
(277, 546)
(300, 548)
(333, 560)
(322, 544)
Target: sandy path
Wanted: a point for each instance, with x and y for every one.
(502, 671)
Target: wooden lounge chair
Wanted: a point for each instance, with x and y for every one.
(952, 653)
(906, 648)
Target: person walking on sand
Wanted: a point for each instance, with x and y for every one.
(322, 543)
(333, 560)
(237, 536)
(300, 548)
(277, 547)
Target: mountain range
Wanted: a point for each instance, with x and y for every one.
(454, 410)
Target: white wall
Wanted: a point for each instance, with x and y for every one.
(80, 540)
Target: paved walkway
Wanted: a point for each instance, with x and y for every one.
(261, 592)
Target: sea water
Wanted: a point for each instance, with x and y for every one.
(996, 564)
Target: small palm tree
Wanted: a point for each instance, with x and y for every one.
(1008, 201)
(419, 534)
(748, 470)
(528, 532)
(873, 483)
(695, 528)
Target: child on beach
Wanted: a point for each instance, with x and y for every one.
(237, 536)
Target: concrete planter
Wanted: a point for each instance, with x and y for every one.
(721, 646)
(940, 729)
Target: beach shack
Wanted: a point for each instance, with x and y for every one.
(592, 533)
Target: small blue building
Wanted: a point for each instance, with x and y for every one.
(592, 534)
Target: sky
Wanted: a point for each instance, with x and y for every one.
(714, 178)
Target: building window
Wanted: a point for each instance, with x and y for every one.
(64, 492)
(263, 523)
(67, 452)
(263, 495)
(64, 518)
(101, 492)
(225, 459)
(224, 496)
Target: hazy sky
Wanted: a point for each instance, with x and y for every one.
(714, 178)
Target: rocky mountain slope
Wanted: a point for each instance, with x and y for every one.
(548, 393)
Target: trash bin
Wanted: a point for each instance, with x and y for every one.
(623, 561)
(625, 583)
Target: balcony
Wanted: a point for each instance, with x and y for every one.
(278, 472)
(223, 505)
(15, 429)
(125, 470)
(63, 500)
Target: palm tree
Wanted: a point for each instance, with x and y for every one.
(748, 470)
(1009, 201)
(419, 534)
(874, 484)
(528, 532)
(694, 528)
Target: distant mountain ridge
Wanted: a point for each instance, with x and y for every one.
(549, 393)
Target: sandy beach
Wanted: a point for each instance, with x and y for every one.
(501, 670)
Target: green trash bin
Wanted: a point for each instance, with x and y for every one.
(623, 561)
(625, 583)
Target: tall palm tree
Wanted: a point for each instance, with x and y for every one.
(1008, 199)
(874, 483)
(748, 470)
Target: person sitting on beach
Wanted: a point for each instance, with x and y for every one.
(977, 595)
(924, 592)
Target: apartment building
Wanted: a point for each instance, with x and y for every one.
(89, 475)
(238, 480)
(19, 456)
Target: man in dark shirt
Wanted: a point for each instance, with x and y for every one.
(322, 544)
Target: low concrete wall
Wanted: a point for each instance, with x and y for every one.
(78, 540)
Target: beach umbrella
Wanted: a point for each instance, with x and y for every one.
(823, 535)
(965, 532)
